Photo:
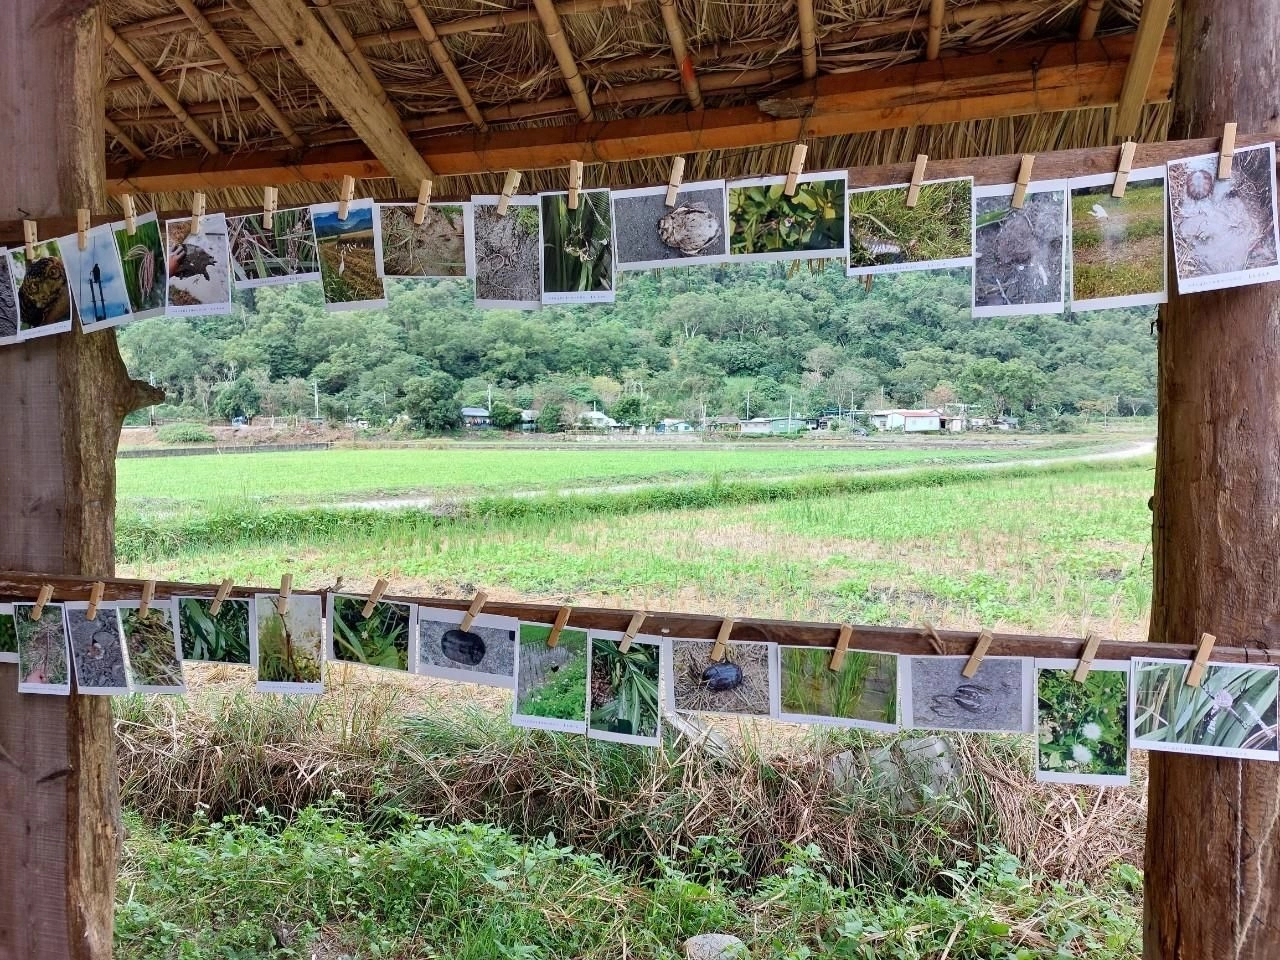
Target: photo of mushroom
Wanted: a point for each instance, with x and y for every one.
(648, 234)
(1224, 231)
(152, 649)
(440, 246)
(508, 254)
(887, 236)
(766, 224)
(348, 262)
(1118, 243)
(96, 276)
(997, 699)
(743, 682)
(8, 635)
(1082, 730)
(285, 253)
(577, 248)
(8, 301)
(288, 647)
(484, 652)
(215, 638)
(382, 639)
(1019, 265)
(97, 650)
(45, 306)
(551, 682)
(1232, 713)
(624, 705)
(198, 267)
(863, 693)
(143, 263)
(44, 662)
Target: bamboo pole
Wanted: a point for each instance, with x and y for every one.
(937, 9)
(445, 63)
(1090, 12)
(124, 139)
(564, 56)
(680, 51)
(808, 38)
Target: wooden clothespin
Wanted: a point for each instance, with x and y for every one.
(980, 647)
(798, 153)
(842, 647)
(473, 611)
(1227, 151)
(346, 193)
(46, 594)
(575, 183)
(286, 588)
(1024, 181)
(1203, 652)
(219, 598)
(144, 603)
(562, 618)
(509, 187)
(674, 181)
(935, 641)
(424, 198)
(30, 237)
(637, 621)
(1124, 169)
(197, 212)
(722, 639)
(95, 598)
(130, 214)
(375, 595)
(1087, 656)
(269, 195)
(917, 178)
(82, 228)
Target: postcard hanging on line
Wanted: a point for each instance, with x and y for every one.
(199, 267)
(8, 635)
(551, 682)
(1082, 730)
(348, 265)
(648, 234)
(152, 648)
(223, 638)
(862, 694)
(508, 254)
(766, 224)
(1118, 256)
(386, 638)
(97, 649)
(8, 301)
(288, 648)
(743, 683)
(285, 253)
(936, 695)
(443, 245)
(577, 248)
(44, 660)
(45, 305)
(887, 236)
(96, 276)
(484, 653)
(1019, 265)
(625, 688)
(143, 265)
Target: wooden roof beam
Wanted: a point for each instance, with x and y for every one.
(322, 60)
(808, 38)
(445, 62)
(1090, 13)
(1016, 81)
(124, 139)
(338, 27)
(680, 51)
(937, 8)
(1147, 44)
(564, 56)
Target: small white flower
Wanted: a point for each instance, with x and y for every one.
(1091, 731)
(1081, 754)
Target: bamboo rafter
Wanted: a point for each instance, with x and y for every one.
(680, 52)
(445, 62)
(808, 38)
(937, 8)
(333, 20)
(564, 56)
(1090, 12)
(114, 130)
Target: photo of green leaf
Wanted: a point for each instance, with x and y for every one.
(214, 639)
(1232, 713)
(764, 221)
(379, 640)
(577, 245)
(8, 634)
(289, 645)
(885, 233)
(864, 691)
(551, 683)
(1083, 734)
(624, 690)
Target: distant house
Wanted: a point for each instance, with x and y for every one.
(670, 425)
(529, 421)
(475, 417)
(596, 420)
(762, 425)
(908, 421)
(724, 425)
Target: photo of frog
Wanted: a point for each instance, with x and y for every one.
(648, 233)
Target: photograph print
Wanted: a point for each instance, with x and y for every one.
(863, 693)
(1082, 729)
(1118, 243)
(1231, 714)
(286, 253)
(624, 689)
(484, 653)
(766, 224)
(348, 261)
(648, 234)
(936, 695)
(1224, 232)
(97, 650)
(8, 635)
(288, 647)
(8, 301)
(215, 638)
(152, 648)
(96, 276)
(744, 682)
(887, 236)
(508, 254)
(198, 267)
(577, 248)
(440, 246)
(45, 305)
(143, 264)
(1020, 255)
(382, 639)
(44, 662)
(551, 682)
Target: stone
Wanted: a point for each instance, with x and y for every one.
(915, 771)
(715, 946)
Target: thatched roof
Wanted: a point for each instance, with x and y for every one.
(207, 93)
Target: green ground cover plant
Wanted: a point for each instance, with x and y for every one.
(184, 433)
(1082, 725)
(379, 640)
(563, 695)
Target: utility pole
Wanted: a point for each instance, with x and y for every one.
(748, 404)
(315, 387)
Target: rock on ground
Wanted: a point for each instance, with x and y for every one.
(715, 946)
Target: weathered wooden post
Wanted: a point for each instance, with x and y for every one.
(63, 400)
(1213, 833)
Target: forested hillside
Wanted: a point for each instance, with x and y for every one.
(724, 336)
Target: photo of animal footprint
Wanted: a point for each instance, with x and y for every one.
(936, 694)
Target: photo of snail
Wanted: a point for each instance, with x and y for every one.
(484, 652)
(198, 267)
(936, 695)
(744, 682)
(651, 234)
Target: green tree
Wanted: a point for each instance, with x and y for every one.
(431, 401)
(551, 418)
(240, 398)
(632, 410)
(504, 416)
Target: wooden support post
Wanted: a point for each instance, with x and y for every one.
(65, 399)
(1213, 825)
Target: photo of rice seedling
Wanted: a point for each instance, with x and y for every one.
(936, 695)
(551, 682)
(484, 653)
(223, 638)
(288, 648)
(1118, 243)
(624, 689)
(1020, 254)
(887, 236)
(45, 306)
(1224, 231)
(286, 253)
(766, 224)
(1082, 727)
(348, 260)
(44, 664)
(96, 276)
(577, 248)
(744, 682)
(508, 254)
(151, 647)
(143, 263)
(1231, 714)
(382, 639)
(8, 635)
(8, 301)
(440, 246)
(862, 693)
(97, 650)
(650, 234)
(198, 267)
